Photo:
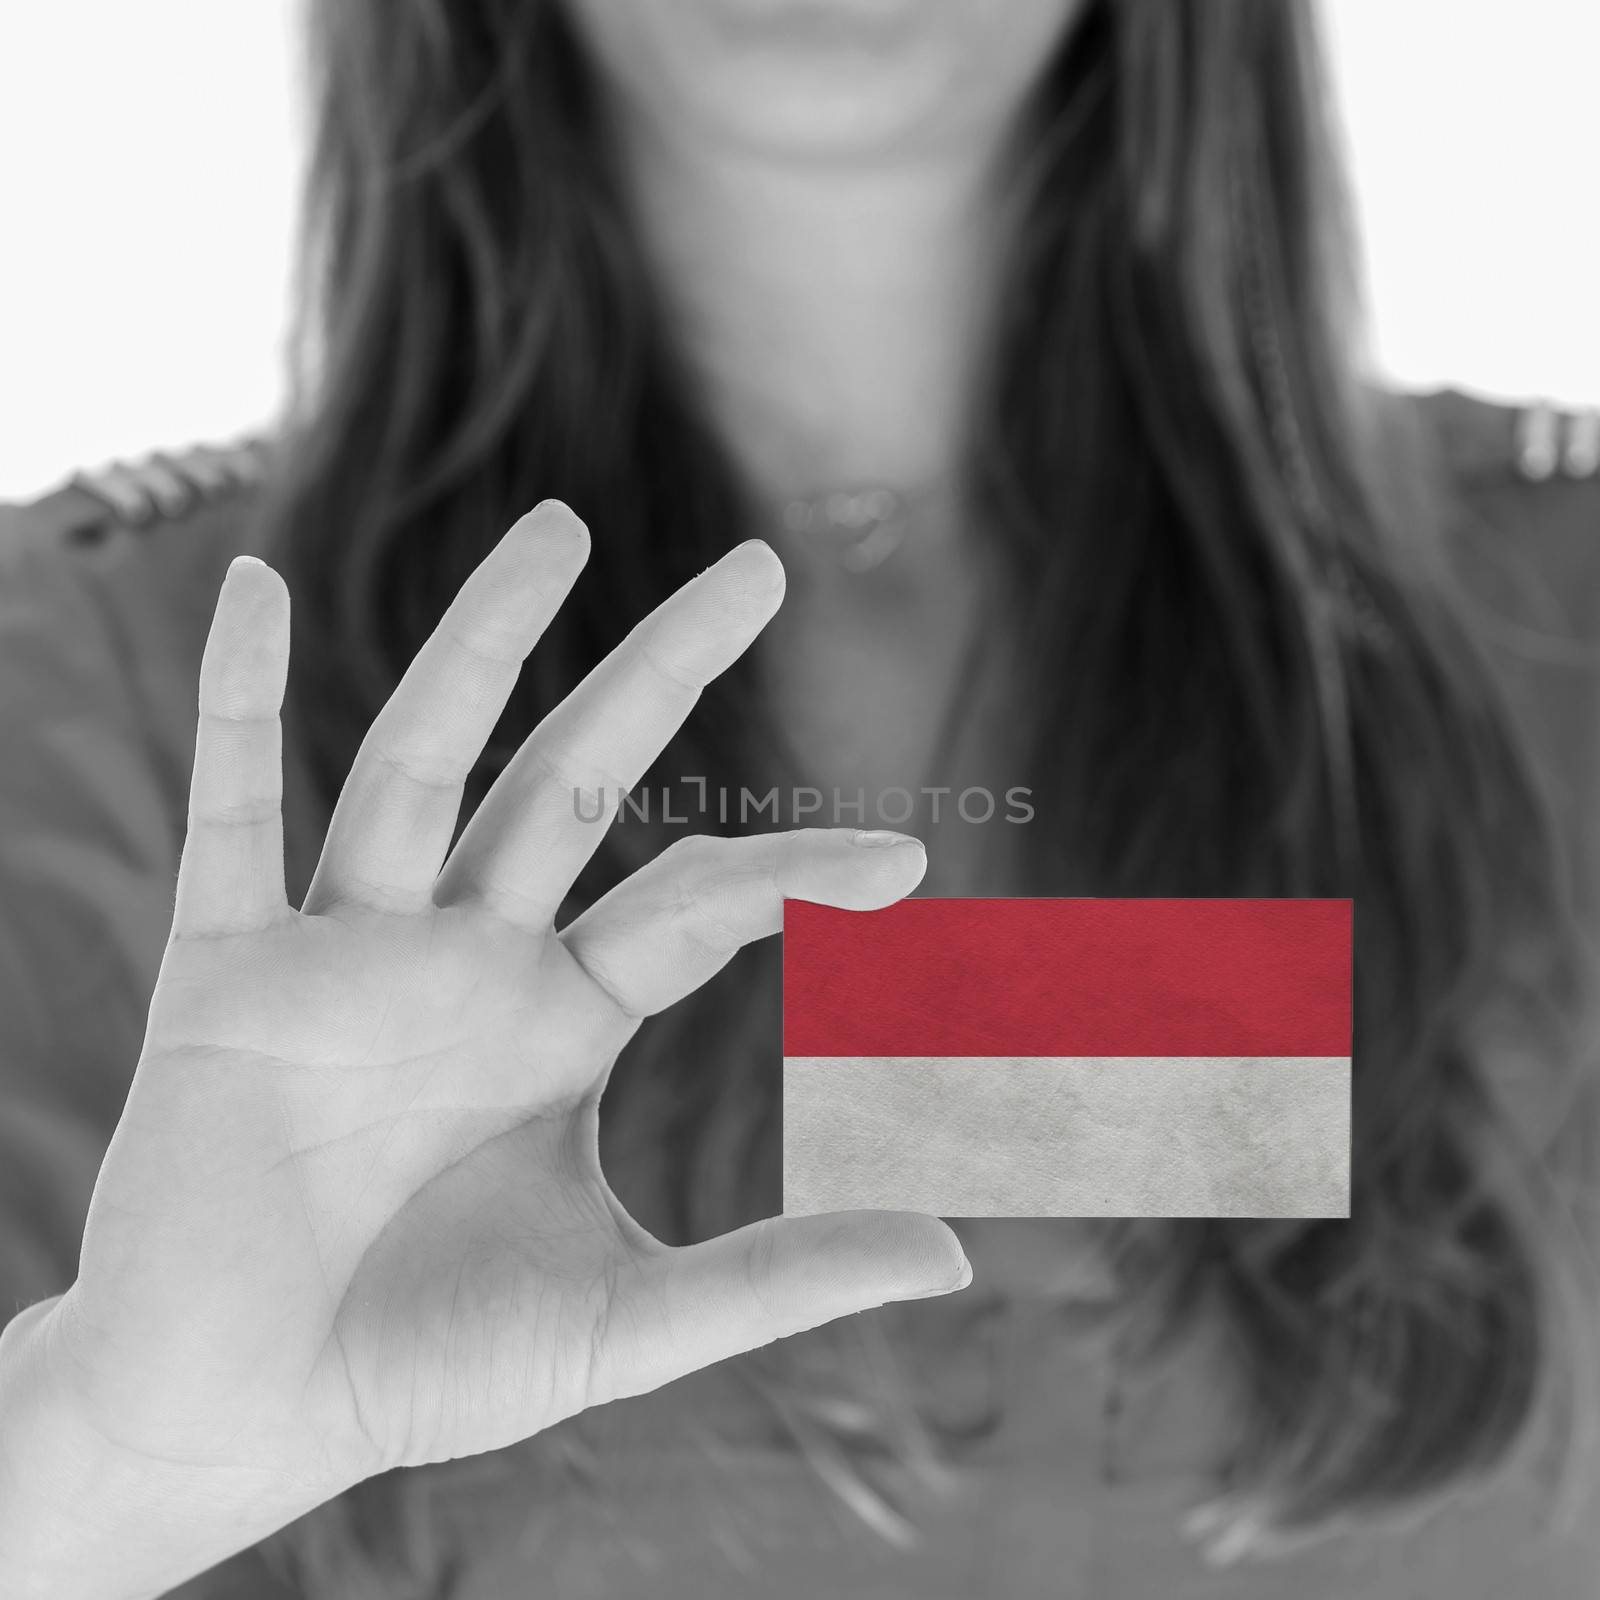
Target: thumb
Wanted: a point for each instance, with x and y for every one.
(687, 1308)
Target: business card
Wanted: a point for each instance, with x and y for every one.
(1069, 1058)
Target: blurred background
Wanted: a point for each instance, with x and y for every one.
(150, 153)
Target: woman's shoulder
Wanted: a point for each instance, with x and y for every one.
(1499, 444)
(107, 586)
(1520, 486)
(107, 582)
(1522, 528)
(157, 510)
(1524, 484)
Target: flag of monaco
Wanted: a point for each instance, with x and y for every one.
(1068, 1058)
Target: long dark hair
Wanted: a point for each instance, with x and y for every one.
(1253, 673)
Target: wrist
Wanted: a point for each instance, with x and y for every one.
(83, 1518)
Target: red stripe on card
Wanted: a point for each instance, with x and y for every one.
(1069, 978)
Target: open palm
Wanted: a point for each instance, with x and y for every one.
(353, 1216)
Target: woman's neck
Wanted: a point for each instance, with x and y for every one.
(835, 316)
(832, 311)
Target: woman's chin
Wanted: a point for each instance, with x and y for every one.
(821, 77)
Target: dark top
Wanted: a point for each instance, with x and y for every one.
(106, 592)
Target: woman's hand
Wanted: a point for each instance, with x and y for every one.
(353, 1216)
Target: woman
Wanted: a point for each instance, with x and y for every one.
(1058, 308)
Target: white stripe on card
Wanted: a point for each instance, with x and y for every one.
(1029, 1136)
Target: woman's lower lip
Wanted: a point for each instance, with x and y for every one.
(818, 23)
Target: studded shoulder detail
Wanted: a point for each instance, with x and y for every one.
(172, 483)
(1549, 439)
(162, 487)
(1497, 441)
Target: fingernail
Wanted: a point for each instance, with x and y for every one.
(774, 579)
(881, 839)
(238, 567)
(745, 549)
(963, 1278)
(552, 516)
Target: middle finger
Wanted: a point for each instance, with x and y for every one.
(548, 810)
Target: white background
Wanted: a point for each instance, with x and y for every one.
(149, 155)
